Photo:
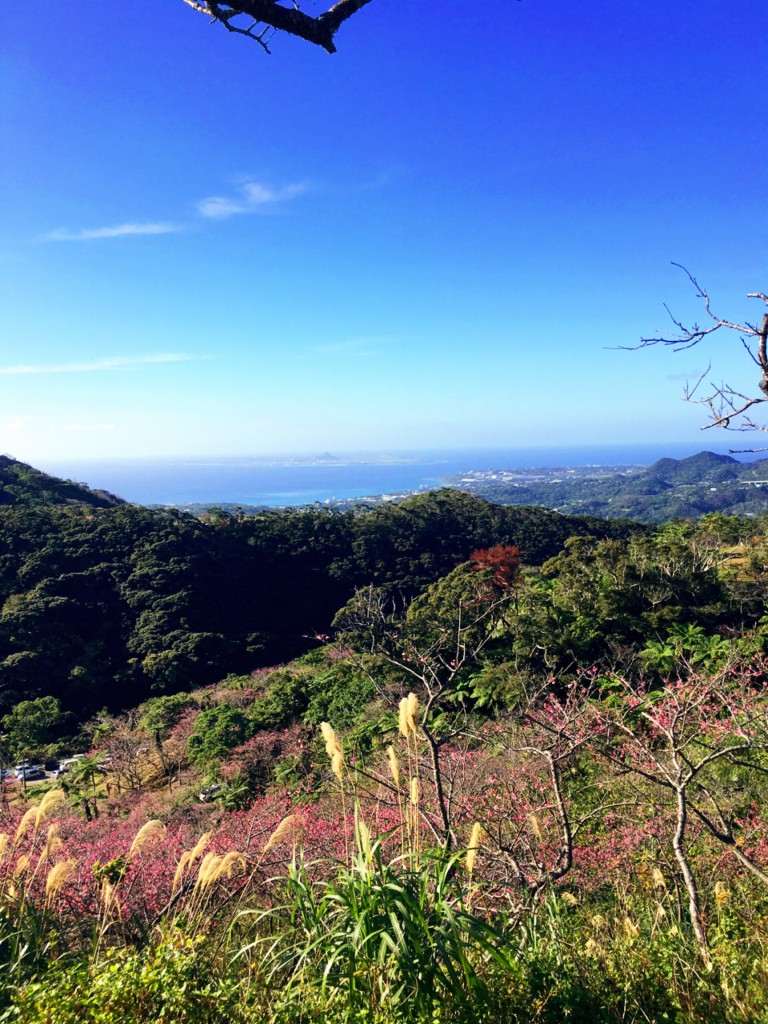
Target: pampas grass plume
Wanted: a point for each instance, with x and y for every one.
(28, 819)
(207, 865)
(58, 876)
(187, 858)
(413, 711)
(414, 791)
(535, 826)
(394, 766)
(213, 867)
(475, 838)
(402, 718)
(107, 892)
(331, 743)
(145, 834)
(285, 826)
(53, 842)
(230, 864)
(53, 799)
(22, 864)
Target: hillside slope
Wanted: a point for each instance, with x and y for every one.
(21, 484)
(103, 606)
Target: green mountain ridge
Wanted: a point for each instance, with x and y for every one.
(668, 489)
(21, 484)
(105, 605)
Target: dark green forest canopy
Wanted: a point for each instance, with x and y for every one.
(103, 606)
(21, 484)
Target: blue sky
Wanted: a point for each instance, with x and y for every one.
(433, 238)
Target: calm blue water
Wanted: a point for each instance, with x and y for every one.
(292, 481)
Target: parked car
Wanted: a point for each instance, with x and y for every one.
(32, 774)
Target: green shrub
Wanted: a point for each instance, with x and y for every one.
(217, 731)
(380, 940)
(167, 983)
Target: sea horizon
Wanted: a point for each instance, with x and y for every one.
(294, 479)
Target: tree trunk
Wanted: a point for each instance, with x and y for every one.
(694, 905)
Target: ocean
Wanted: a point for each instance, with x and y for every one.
(302, 480)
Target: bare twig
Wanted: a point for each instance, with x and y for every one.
(726, 406)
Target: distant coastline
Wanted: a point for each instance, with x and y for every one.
(305, 479)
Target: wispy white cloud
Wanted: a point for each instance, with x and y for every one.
(115, 231)
(252, 197)
(110, 363)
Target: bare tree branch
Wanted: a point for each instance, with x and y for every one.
(265, 17)
(726, 407)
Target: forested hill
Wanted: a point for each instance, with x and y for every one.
(101, 606)
(702, 468)
(21, 484)
(669, 489)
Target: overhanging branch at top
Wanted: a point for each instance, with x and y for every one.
(260, 19)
